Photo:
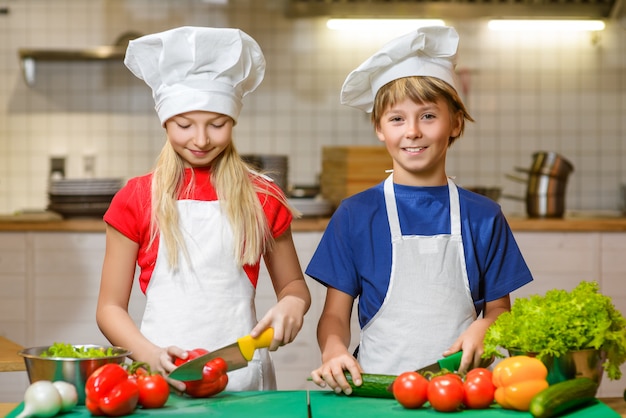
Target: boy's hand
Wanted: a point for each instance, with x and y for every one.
(331, 373)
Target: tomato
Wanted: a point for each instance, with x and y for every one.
(410, 389)
(153, 387)
(153, 390)
(445, 392)
(478, 388)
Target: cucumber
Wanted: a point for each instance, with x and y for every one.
(563, 396)
(373, 386)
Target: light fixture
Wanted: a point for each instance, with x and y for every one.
(395, 25)
(546, 25)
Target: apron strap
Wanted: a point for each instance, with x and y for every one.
(392, 209)
(455, 209)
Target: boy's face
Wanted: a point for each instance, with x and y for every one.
(199, 136)
(417, 136)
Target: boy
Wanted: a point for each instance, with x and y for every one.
(424, 257)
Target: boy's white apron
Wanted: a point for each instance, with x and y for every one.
(208, 303)
(428, 303)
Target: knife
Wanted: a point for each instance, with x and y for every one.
(236, 355)
(452, 363)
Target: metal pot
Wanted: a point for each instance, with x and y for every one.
(551, 164)
(546, 183)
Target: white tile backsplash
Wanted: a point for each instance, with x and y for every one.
(527, 92)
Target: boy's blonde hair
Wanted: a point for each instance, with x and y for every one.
(420, 89)
(234, 182)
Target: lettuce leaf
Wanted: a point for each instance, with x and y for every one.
(63, 350)
(562, 321)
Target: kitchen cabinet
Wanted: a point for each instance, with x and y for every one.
(49, 283)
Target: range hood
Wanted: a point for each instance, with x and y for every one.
(455, 9)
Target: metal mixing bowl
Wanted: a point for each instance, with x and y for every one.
(580, 363)
(69, 369)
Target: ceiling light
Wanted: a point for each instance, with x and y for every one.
(381, 24)
(546, 25)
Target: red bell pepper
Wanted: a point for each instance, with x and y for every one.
(214, 377)
(110, 392)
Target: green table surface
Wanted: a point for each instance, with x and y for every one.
(270, 404)
(315, 404)
(326, 404)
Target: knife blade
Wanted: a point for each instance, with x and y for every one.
(236, 355)
(452, 363)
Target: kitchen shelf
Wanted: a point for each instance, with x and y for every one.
(28, 57)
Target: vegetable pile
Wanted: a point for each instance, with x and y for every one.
(71, 351)
(560, 322)
(446, 391)
(517, 383)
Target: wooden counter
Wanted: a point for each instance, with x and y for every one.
(576, 224)
(10, 361)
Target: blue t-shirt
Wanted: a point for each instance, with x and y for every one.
(354, 254)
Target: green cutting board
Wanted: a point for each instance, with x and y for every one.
(327, 404)
(270, 404)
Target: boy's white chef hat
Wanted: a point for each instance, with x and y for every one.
(197, 68)
(428, 51)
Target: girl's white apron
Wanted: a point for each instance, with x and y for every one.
(428, 302)
(208, 301)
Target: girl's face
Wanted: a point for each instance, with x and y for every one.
(199, 136)
(417, 136)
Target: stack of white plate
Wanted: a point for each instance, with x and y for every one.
(82, 197)
(312, 206)
(275, 166)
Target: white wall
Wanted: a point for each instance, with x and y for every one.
(527, 92)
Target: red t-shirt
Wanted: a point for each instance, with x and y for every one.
(129, 213)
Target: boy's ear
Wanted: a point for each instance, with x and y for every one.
(458, 123)
(379, 134)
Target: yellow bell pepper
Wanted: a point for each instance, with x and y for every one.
(517, 380)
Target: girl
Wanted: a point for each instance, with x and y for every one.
(198, 224)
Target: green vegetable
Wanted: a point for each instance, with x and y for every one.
(373, 386)
(560, 322)
(76, 351)
(563, 396)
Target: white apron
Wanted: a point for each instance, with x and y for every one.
(210, 303)
(428, 302)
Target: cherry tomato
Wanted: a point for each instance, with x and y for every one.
(478, 388)
(410, 389)
(445, 392)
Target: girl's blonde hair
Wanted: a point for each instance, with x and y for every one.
(236, 188)
(420, 89)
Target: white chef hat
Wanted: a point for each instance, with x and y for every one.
(428, 51)
(197, 68)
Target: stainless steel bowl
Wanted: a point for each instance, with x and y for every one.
(573, 364)
(69, 369)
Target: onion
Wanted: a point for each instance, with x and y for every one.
(41, 399)
(69, 395)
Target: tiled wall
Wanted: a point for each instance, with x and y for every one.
(527, 92)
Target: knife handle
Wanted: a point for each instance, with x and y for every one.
(247, 344)
(452, 362)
